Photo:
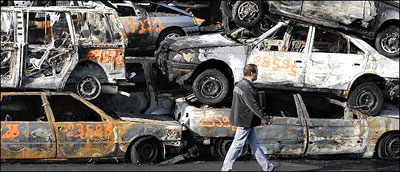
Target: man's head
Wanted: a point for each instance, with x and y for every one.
(250, 71)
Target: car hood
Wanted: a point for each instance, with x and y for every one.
(199, 41)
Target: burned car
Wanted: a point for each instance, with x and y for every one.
(71, 48)
(303, 125)
(289, 57)
(377, 21)
(147, 24)
(64, 126)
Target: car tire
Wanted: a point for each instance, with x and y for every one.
(247, 19)
(388, 147)
(387, 41)
(145, 151)
(367, 98)
(222, 146)
(211, 87)
(88, 87)
(169, 33)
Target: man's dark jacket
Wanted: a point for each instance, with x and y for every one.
(245, 110)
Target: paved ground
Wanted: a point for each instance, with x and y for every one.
(201, 165)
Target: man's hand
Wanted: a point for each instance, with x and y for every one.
(268, 120)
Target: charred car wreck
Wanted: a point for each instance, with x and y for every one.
(289, 57)
(303, 125)
(377, 21)
(64, 126)
(76, 48)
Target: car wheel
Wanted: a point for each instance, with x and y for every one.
(145, 151)
(263, 27)
(387, 42)
(171, 33)
(388, 147)
(222, 146)
(247, 14)
(367, 98)
(211, 87)
(88, 87)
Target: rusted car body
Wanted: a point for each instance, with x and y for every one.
(78, 48)
(289, 57)
(147, 24)
(374, 20)
(48, 125)
(300, 127)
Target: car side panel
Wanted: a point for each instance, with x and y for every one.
(85, 139)
(27, 140)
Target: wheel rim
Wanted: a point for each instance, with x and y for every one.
(89, 88)
(392, 147)
(148, 151)
(366, 100)
(172, 35)
(390, 42)
(210, 87)
(248, 11)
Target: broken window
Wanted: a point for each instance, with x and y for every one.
(39, 29)
(125, 11)
(22, 108)
(278, 104)
(320, 107)
(49, 40)
(276, 42)
(298, 39)
(7, 42)
(328, 42)
(91, 26)
(65, 108)
(7, 27)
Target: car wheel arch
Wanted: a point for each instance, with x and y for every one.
(167, 29)
(101, 74)
(210, 64)
(132, 141)
(364, 78)
(381, 139)
(386, 24)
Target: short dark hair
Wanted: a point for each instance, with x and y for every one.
(249, 68)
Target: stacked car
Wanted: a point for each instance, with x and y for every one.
(329, 91)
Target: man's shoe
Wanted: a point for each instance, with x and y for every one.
(273, 167)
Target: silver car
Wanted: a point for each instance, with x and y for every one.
(294, 57)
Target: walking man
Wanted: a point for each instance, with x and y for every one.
(246, 114)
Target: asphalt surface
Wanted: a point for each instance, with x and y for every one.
(201, 165)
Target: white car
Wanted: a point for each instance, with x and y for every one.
(289, 57)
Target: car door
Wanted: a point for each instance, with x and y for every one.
(281, 58)
(287, 134)
(138, 27)
(333, 62)
(12, 46)
(333, 133)
(51, 53)
(82, 130)
(26, 131)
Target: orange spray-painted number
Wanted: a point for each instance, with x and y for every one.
(276, 64)
(113, 58)
(88, 131)
(218, 121)
(146, 25)
(12, 132)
